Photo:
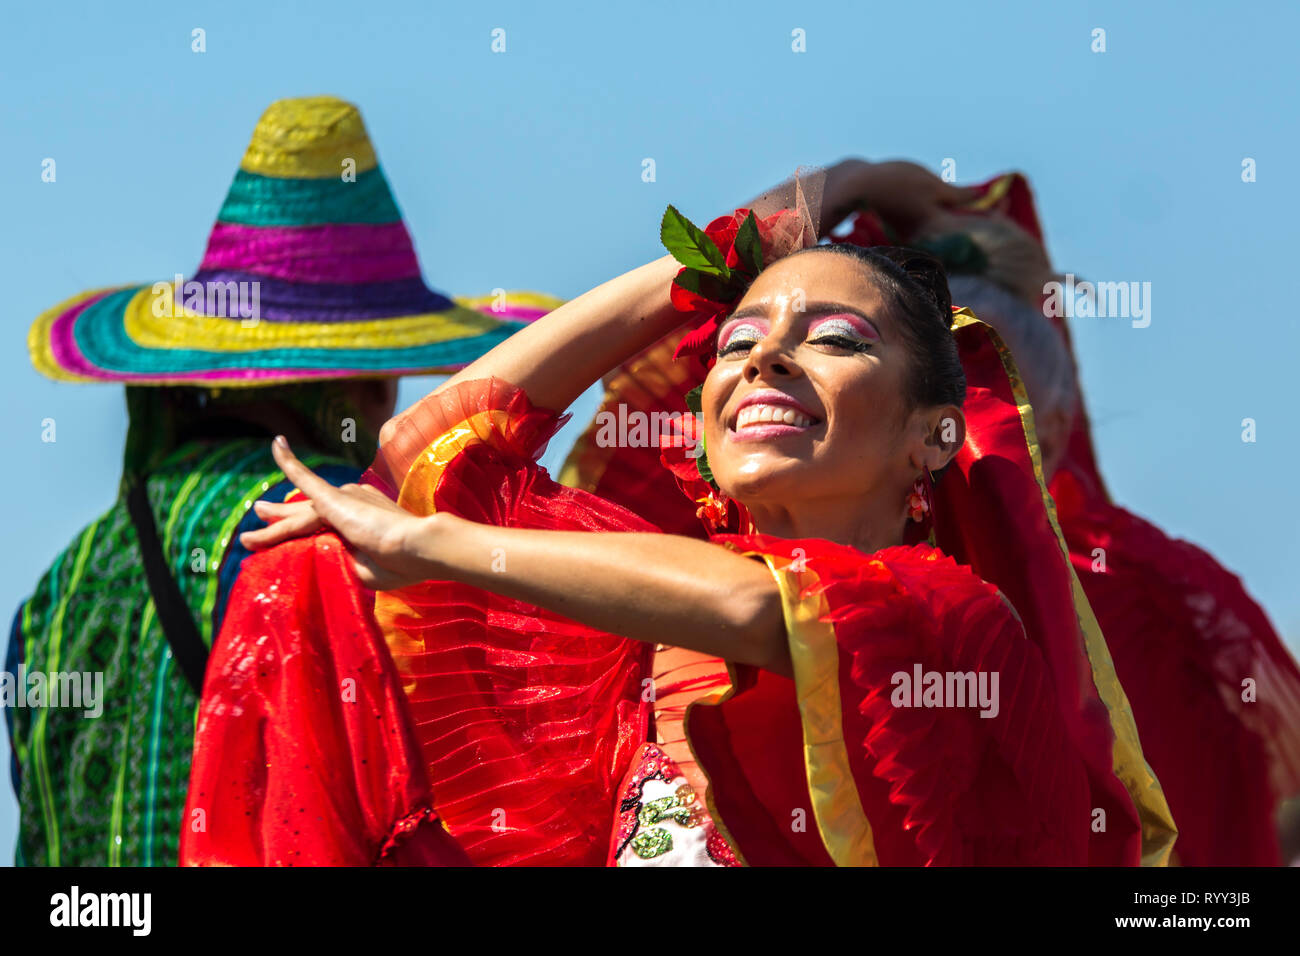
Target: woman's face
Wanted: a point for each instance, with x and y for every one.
(807, 400)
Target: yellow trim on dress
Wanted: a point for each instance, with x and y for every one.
(996, 192)
(837, 809)
(1127, 760)
(814, 651)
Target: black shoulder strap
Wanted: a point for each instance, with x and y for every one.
(174, 615)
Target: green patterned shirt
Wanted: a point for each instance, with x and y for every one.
(110, 790)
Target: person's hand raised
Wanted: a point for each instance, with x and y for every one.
(906, 195)
(384, 538)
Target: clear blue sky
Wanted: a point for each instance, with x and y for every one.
(523, 170)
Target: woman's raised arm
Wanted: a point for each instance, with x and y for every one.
(558, 357)
(647, 587)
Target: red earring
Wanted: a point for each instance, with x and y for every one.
(918, 499)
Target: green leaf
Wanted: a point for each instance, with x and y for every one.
(695, 399)
(690, 246)
(749, 247)
(702, 464)
(711, 286)
(695, 402)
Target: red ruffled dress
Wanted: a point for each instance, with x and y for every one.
(529, 722)
(928, 722)
(1215, 692)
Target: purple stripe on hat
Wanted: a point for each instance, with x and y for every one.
(281, 301)
(335, 253)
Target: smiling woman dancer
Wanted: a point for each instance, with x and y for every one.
(886, 704)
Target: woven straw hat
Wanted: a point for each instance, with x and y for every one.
(309, 273)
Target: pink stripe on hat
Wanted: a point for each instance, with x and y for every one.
(64, 346)
(333, 253)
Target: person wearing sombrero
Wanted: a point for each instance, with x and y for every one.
(307, 306)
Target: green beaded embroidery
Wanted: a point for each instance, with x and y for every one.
(649, 844)
(665, 808)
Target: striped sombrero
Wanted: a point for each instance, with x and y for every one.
(309, 273)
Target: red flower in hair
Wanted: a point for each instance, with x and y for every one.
(720, 261)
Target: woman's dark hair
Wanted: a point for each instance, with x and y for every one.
(917, 287)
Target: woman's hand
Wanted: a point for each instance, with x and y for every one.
(284, 520)
(385, 539)
(906, 195)
(909, 194)
(638, 584)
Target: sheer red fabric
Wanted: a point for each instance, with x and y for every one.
(304, 754)
(992, 513)
(1188, 643)
(1184, 635)
(524, 722)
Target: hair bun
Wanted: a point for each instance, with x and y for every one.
(925, 270)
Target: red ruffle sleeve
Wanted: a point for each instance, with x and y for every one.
(527, 721)
(882, 780)
(304, 754)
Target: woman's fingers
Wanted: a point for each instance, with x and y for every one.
(272, 511)
(350, 509)
(359, 514)
(294, 525)
(328, 501)
(950, 194)
(304, 479)
(284, 520)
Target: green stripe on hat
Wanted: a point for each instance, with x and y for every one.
(256, 200)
